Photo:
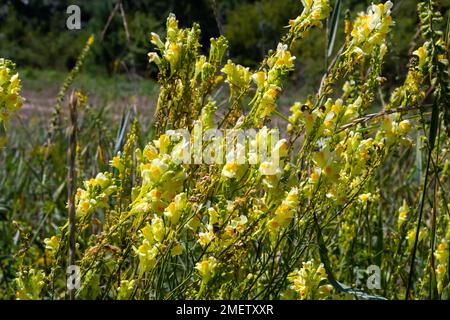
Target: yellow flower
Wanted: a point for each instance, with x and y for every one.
(150, 152)
(125, 290)
(268, 168)
(172, 54)
(158, 229)
(177, 249)
(174, 209)
(204, 238)
(365, 197)
(213, 216)
(230, 169)
(91, 40)
(238, 77)
(156, 40)
(154, 57)
(52, 244)
(404, 126)
(147, 256)
(421, 52)
(206, 268)
(440, 269)
(259, 78)
(441, 253)
(402, 213)
(284, 57)
(10, 99)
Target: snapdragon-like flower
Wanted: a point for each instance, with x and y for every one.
(285, 211)
(370, 28)
(314, 12)
(147, 254)
(95, 194)
(310, 281)
(282, 58)
(411, 236)
(10, 87)
(52, 244)
(126, 289)
(238, 77)
(206, 268)
(422, 54)
(29, 284)
(174, 209)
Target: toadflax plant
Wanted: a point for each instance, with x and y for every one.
(10, 99)
(291, 227)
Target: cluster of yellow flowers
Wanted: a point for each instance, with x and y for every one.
(314, 12)
(269, 82)
(10, 99)
(310, 282)
(442, 260)
(411, 92)
(160, 200)
(29, 284)
(126, 289)
(95, 194)
(238, 77)
(52, 244)
(344, 156)
(177, 43)
(285, 212)
(370, 29)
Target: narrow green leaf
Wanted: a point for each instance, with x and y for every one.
(334, 26)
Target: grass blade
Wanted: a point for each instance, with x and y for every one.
(333, 28)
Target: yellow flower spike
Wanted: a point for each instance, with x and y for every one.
(91, 40)
(10, 87)
(402, 214)
(308, 282)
